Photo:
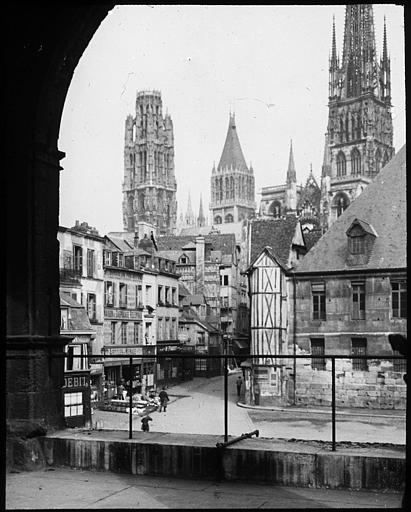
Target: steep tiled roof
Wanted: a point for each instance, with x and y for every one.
(383, 205)
(275, 233)
(78, 320)
(120, 243)
(232, 155)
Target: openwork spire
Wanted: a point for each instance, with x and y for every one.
(291, 174)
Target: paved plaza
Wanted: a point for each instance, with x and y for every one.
(197, 407)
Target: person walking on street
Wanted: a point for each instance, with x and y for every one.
(145, 427)
(239, 384)
(163, 399)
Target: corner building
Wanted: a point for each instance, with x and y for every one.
(149, 187)
(359, 138)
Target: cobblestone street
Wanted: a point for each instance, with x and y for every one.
(198, 407)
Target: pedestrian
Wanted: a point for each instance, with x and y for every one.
(239, 384)
(163, 399)
(145, 427)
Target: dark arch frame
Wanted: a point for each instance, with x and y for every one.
(44, 45)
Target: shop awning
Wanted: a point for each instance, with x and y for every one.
(240, 343)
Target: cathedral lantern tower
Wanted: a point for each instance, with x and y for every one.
(232, 183)
(149, 187)
(359, 133)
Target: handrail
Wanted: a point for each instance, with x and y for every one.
(226, 356)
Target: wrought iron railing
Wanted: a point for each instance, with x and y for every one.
(226, 357)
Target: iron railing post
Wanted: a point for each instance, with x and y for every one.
(130, 416)
(225, 396)
(333, 401)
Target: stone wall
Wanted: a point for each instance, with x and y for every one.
(378, 388)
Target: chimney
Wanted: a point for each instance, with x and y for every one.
(200, 264)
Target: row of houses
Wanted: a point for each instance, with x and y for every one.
(131, 295)
(344, 296)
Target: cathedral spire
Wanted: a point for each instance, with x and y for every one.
(190, 221)
(232, 156)
(333, 61)
(384, 44)
(359, 63)
(201, 218)
(291, 174)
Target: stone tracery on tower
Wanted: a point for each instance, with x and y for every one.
(149, 187)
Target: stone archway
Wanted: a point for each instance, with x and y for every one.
(44, 45)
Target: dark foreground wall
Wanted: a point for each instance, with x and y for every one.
(256, 460)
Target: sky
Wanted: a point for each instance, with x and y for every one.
(268, 64)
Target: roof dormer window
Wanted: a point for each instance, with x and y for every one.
(357, 245)
(361, 237)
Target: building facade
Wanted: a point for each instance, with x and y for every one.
(82, 278)
(344, 297)
(232, 183)
(359, 136)
(149, 187)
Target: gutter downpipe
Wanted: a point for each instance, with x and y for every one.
(294, 339)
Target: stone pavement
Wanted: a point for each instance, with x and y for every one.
(197, 407)
(58, 488)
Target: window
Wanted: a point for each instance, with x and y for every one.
(107, 258)
(120, 259)
(355, 161)
(399, 299)
(136, 327)
(358, 301)
(148, 294)
(91, 306)
(73, 404)
(167, 329)
(341, 164)
(318, 293)
(218, 219)
(78, 259)
(123, 295)
(167, 290)
(357, 244)
(160, 296)
(73, 363)
(201, 365)
(399, 365)
(317, 348)
(173, 296)
(113, 332)
(173, 328)
(124, 333)
(64, 319)
(139, 295)
(90, 263)
(359, 348)
(109, 293)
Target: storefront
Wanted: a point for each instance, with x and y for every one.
(174, 369)
(76, 389)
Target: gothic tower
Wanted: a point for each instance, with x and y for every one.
(189, 217)
(359, 131)
(149, 187)
(232, 183)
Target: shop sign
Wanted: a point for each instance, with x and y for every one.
(111, 351)
(76, 381)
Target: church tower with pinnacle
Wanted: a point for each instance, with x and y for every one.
(359, 138)
(149, 187)
(232, 183)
